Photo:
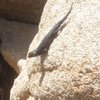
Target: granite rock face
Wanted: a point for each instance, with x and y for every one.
(71, 70)
(22, 10)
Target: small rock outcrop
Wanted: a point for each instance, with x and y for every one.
(15, 40)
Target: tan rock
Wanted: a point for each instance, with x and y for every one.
(71, 71)
(22, 10)
(15, 38)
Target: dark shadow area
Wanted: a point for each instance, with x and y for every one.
(43, 69)
(43, 57)
(7, 76)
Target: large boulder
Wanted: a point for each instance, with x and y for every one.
(71, 70)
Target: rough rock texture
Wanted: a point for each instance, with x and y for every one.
(15, 38)
(22, 10)
(71, 71)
